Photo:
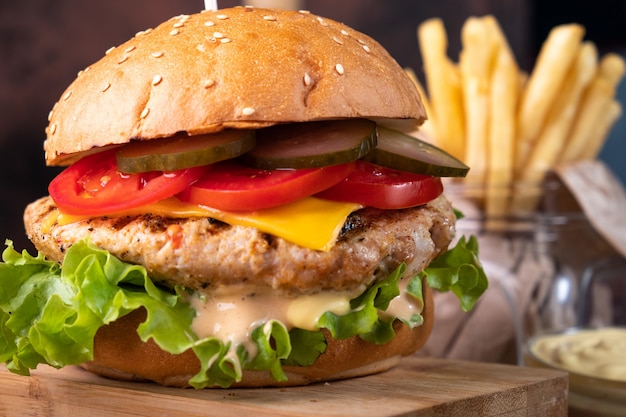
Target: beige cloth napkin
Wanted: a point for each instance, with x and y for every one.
(602, 198)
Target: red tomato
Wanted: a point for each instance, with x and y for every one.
(385, 188)
(94, 187)
(234, 187)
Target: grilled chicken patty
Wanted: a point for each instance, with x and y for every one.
(203, 253)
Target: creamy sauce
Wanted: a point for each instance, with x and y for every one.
(403, 306)
(599, 353)
(233, 315)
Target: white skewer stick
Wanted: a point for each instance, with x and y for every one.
(210, 4)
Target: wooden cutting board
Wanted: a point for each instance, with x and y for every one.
(418, 387)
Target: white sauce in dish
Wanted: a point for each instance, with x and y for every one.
(599, 353)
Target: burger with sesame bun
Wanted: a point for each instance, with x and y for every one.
(239, 208)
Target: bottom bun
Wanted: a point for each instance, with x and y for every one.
(120, 354)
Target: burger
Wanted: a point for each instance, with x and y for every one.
(239, 208)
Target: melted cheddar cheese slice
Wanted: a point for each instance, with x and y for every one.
(311, 222)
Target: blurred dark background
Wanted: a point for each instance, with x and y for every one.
(44, 43)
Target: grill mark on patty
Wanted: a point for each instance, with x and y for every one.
(120, 222)
(218, 225)
(270, 240)
(353, 225)
(159, 224)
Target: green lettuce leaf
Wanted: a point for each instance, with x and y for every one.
(306, 347)
(460, 271)
(50, 315)
(363, 319)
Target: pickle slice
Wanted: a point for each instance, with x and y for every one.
(183, 151)
(400, 151)
(312, 144)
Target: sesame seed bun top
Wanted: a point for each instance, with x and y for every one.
(231, 68)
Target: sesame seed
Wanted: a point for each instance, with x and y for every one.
(367, 48)
(221, 17)
(361, 41)
(174, 32)
(144, 113)
(50, 114)
(340, 70)
(247, 111)
(225, 40)
(218, 35)
(53, 128)
(304, 11)
(307, 79)
(124, 59)
(67, 95)
(108, 51)
(209, 83)
(181, 17)
(81, 72)
(130, 49)
(157, 80)
(270, 18)
(339, 41)
(105, 87)
(249, 7)
(209, 23)
(322, 22)
(344, 32)
(157, 54)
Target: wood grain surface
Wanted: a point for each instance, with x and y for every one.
(417, 387)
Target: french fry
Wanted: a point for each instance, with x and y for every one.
(545, 83)
(552, 138)
(476, 66)
(612, 68)
(428, 127)
(593, 105)
(443, 90)
(517, 126)
(601, 131)
(504, 96)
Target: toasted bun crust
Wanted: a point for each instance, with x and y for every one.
(233, 68)
(120, 354)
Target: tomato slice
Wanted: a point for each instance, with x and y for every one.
(230, 186)
(94, 187)
(376, 186)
